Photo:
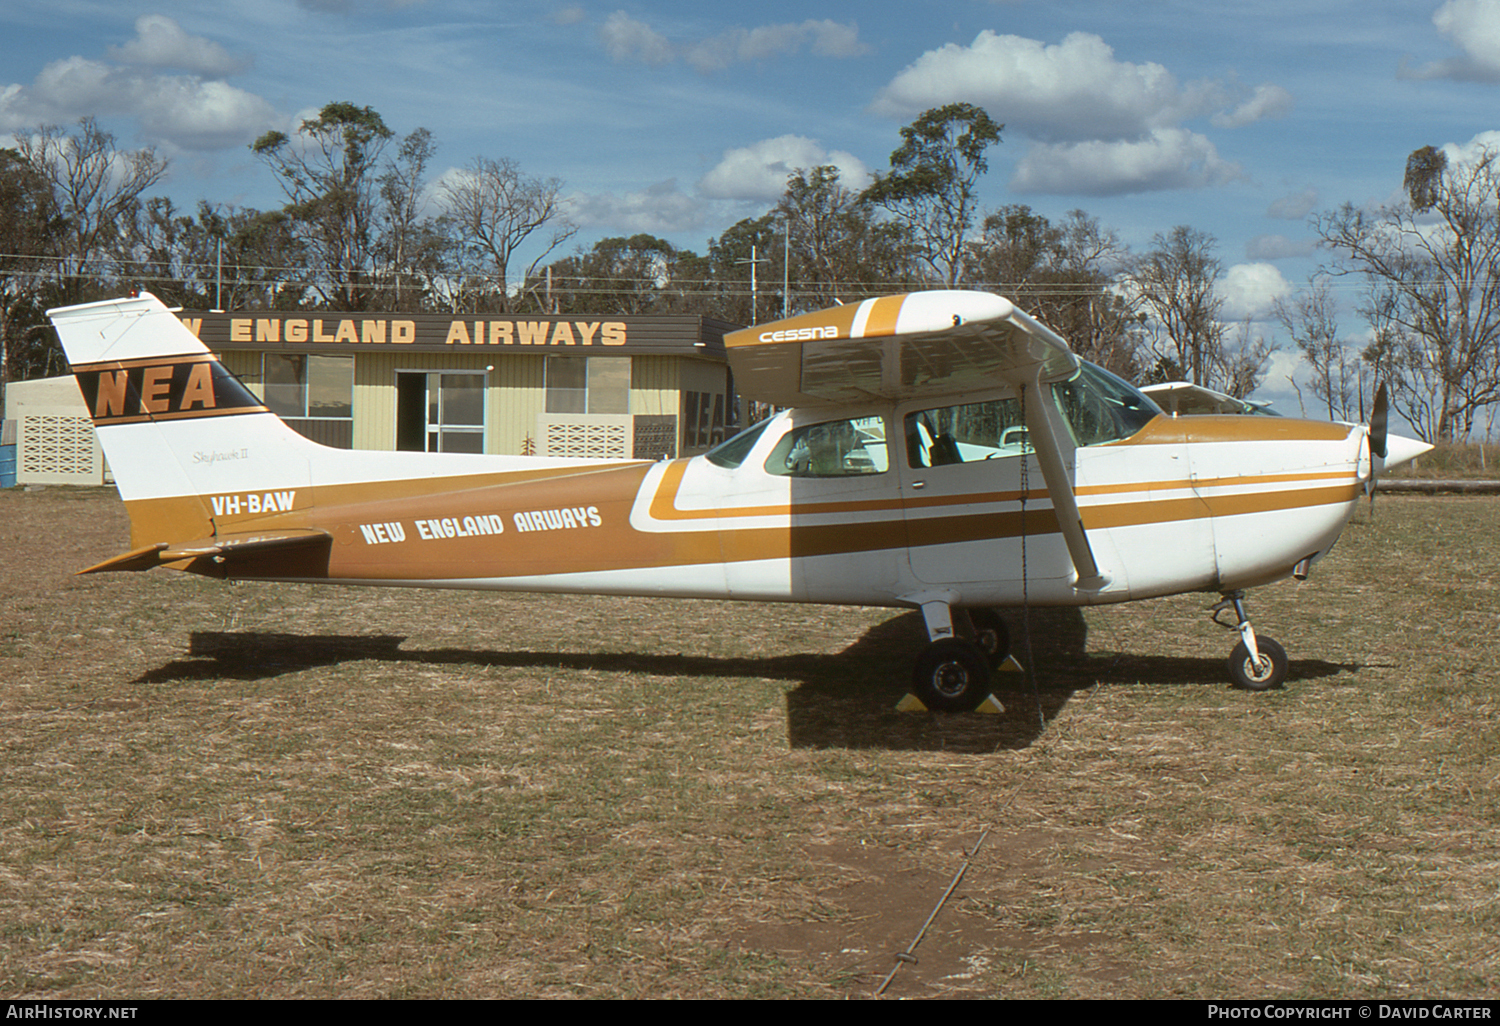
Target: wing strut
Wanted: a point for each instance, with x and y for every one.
(1042, 426)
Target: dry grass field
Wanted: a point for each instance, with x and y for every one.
(216, 791)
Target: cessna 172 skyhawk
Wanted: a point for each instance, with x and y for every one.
(943, 451)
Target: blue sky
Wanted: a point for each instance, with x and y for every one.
(679, 118)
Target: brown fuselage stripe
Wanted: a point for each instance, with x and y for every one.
(882, 319)
(615, 545)
(664, 502)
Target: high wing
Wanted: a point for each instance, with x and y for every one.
(896, 347)
(938, 343)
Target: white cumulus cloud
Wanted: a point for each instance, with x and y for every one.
(1466, 153)
(1268, 101)
(1474, 27)
(161, 43)
(759, 171)
(194, 111)
(182, 110)
(662, 208)
(1098, 125)
(1294, 206)
(626, 39)
(1171, 158)
(1249, 290)
(1071, 92)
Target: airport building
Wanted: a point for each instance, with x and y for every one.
(625, 387)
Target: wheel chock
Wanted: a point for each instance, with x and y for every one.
(911, 703)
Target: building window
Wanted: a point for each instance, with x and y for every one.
(440, 411)
(300, 385)
(314, 394)
(588, 384)
(704, 419)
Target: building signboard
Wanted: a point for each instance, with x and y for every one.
(435, 333)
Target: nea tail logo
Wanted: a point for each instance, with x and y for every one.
(196, 386)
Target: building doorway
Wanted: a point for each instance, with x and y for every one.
(440, 411)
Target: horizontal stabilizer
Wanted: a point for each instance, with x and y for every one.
(136, 559)
(224, 546)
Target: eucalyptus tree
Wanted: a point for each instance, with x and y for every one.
(30, 238)
(416, 247)
(746, 270)
(330, 173)
(1173, 285)
(1341, 376)
(631, 275)
(931, 187)
(837, 248)
(1063, 274)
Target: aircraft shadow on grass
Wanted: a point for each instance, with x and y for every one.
(842, 700)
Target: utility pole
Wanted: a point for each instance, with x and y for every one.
(786, 268)
(754, 288)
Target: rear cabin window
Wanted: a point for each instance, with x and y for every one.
(840, 448)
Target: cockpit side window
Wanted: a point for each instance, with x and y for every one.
(840, 448)
(966, 434)
(1100, 407)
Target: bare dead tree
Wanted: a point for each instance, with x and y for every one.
(96, 186)
(1432, 267)
(497, 209)
(1340, 378)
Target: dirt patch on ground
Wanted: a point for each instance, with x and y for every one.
(895, 934)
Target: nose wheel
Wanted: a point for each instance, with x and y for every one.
(1262, 675)
(1257, 663)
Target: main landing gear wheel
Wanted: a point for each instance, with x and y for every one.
(952, 675)
(991, 635)
(1269, 674)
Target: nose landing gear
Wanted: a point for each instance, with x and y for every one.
(1256, 663)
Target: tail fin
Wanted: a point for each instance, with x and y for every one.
(188, 443)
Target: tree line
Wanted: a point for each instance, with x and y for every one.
(367, 227)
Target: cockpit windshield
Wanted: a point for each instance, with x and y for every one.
(1100, 407)
(732, 453)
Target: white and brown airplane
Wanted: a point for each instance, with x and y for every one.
(943, 451)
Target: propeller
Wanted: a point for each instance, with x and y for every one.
(1379, 417)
